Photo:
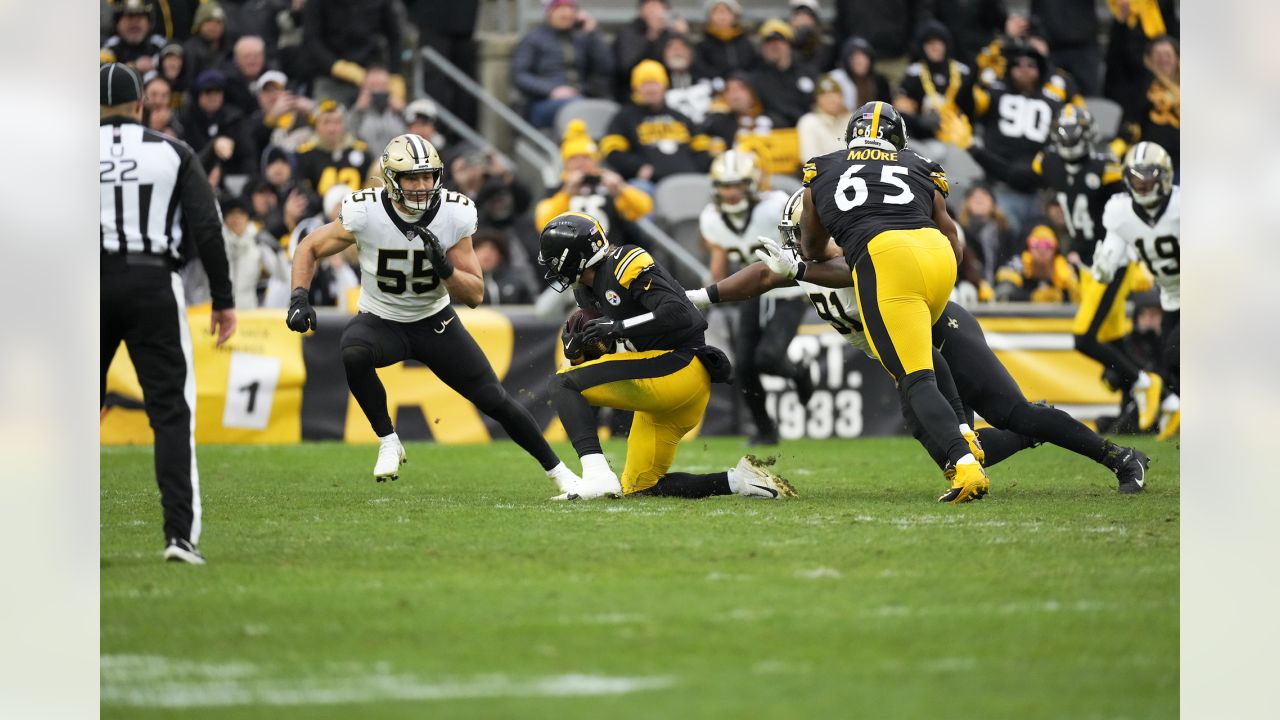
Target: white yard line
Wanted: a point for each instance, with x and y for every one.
(153, 681)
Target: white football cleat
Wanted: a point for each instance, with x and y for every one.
(599, 484)
(755, 479)
(179, 550)
(390, 458)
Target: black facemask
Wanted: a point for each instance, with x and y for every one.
(379, 101)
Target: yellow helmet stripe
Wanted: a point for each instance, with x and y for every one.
(594, 221)
(875, 121)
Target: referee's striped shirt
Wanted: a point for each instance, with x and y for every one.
(154, 197)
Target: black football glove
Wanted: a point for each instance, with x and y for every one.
(435, 253)
(301, 317)
(601, 330)
(574, 348)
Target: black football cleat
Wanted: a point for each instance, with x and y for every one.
(1131, 470)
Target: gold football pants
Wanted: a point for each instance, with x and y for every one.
(903, 283)
(1101, 314)
(668, 391)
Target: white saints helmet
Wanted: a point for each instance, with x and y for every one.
(410, 154)
(1148, 174)
(735, 167)
(789, 227)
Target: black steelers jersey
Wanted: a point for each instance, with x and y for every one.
(1082, 191)
(628, 283)
(862, 192)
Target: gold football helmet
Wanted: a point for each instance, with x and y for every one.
(410, 154)
(1148, 174)
(735, 167)
(789, 227)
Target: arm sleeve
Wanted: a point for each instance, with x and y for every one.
(1021, 177)
(202, 223)
(672, 311)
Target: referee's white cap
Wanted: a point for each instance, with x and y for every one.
(119, 84)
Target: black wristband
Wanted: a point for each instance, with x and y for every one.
(800, 268)
(713, 293)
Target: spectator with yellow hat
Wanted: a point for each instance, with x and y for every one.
(647, 140)
(591, 189)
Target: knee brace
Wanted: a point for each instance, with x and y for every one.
(357, 357)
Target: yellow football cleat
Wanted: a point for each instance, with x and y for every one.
(975, 446)
(1171, 427)
(1149, 402)
(968, 482)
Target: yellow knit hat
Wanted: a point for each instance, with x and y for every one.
(577, 141)
(646, 71)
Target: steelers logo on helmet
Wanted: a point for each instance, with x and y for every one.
(568, 245)
(411, 156)
(876, 124)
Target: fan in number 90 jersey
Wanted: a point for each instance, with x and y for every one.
(862, 192)
(397, 281)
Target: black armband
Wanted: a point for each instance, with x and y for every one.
(800, 268)
(713, 293)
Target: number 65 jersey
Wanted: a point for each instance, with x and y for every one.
(1131, 235)
(397, 281)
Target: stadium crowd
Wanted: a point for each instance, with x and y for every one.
(288, 104)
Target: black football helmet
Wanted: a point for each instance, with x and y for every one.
(876, 121)
(1073, 134)
(569, 244)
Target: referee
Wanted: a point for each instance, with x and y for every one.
(154, 196)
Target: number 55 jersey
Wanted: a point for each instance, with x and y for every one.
(862, 192)
(1133, 234)
(397, 281)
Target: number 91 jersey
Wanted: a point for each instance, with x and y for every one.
(862, 192)
(397, 281)
(1130, 236)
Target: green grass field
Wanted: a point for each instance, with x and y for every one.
(460, 591)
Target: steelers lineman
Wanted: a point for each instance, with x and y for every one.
(969, 374)
(414, 242)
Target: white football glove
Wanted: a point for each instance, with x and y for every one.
(780, 261)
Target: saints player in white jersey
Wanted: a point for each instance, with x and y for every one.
(1145, 222)
(414, 243)
(730, 224)
(969, 374)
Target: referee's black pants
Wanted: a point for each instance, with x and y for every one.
(143, 306)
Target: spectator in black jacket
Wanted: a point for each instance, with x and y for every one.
(344, 38)
(133, 44)
(1134, 25)
(211, 124)
(691, 91)
(813, 45)
(449, 28)
(726, 45)
(972, 23)
(281, 116)
(857, 74)
(889, 25)
(670, 143)
(936, 86)
(1154, 112)
(173, 68)
(784, 85)
(1071, 29)
(643, 39)
(563, 59)
(208, 47)
(505, 282)
(248, 62)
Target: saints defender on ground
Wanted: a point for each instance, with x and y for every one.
(883, 204)
(1146, 222)
(969, 374)
(414, 241)
(664, 375)
(730, 224)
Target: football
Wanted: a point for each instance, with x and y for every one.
(577, 320)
